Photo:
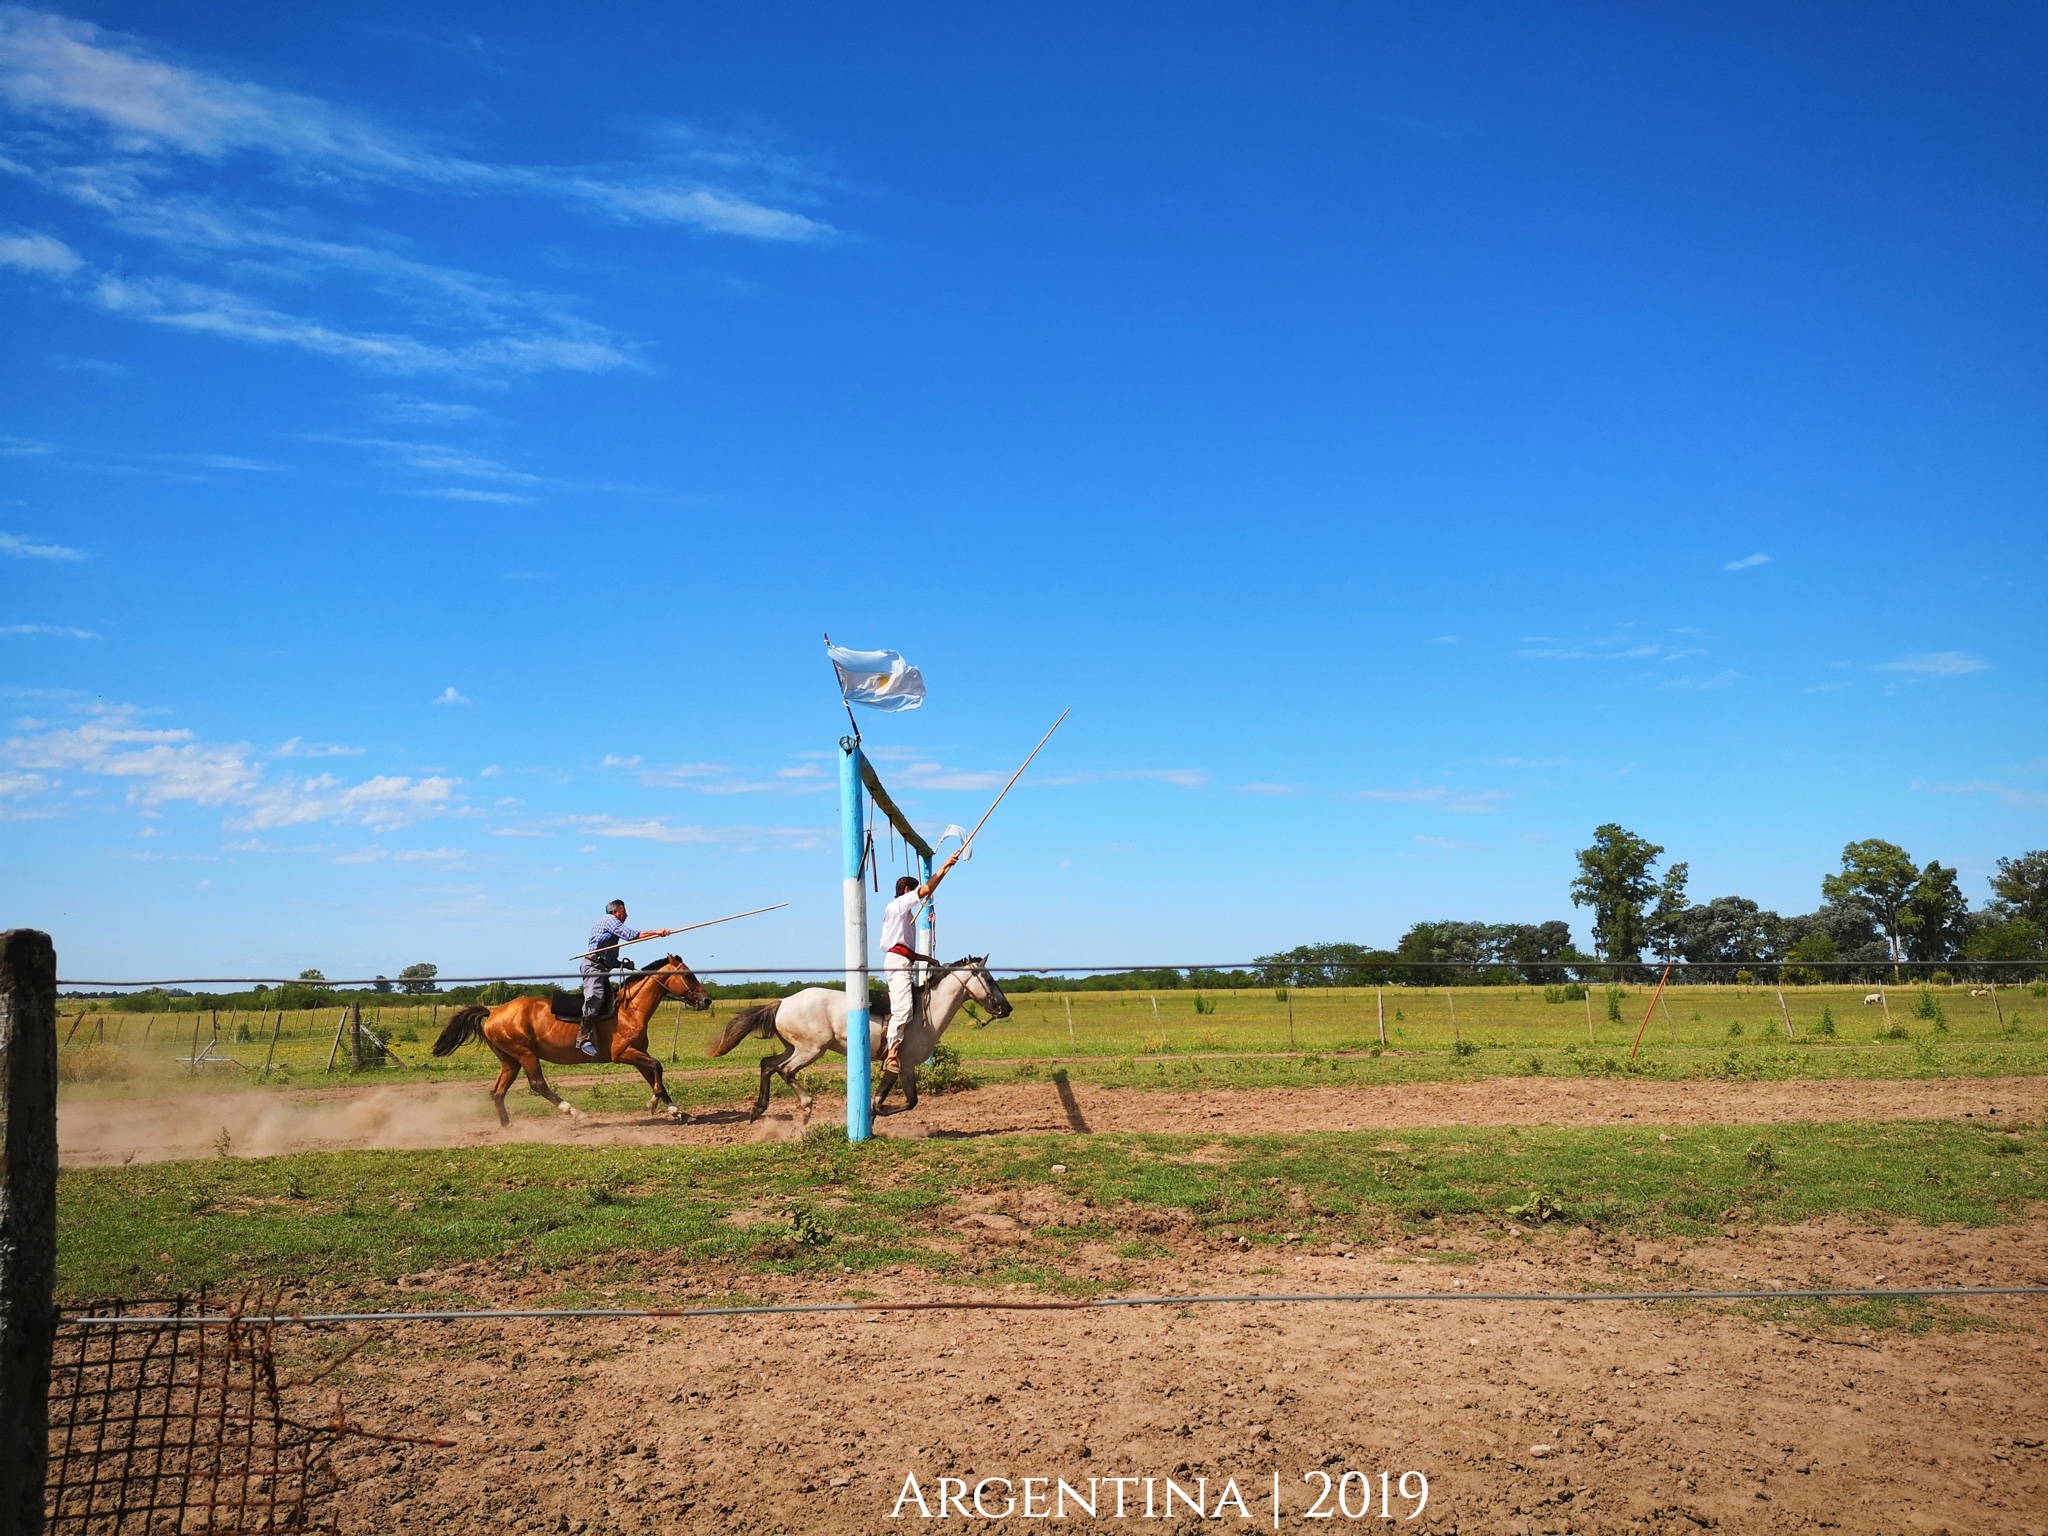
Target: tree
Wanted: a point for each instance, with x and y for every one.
(1614, 880)
(419, 979)
(1878, 878)
(2022, 887)
(1667, 921)
(2013, 939)
(382, 983)
(1937, 915)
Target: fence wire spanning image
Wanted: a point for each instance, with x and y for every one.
(175, 1425)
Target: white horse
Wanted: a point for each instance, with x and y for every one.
(811, 1022)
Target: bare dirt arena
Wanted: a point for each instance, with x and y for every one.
(1612, 1417)
(116, 1130)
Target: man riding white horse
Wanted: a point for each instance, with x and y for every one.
(899, 954)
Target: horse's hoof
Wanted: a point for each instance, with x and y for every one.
(567, 1109)
(675, 1113)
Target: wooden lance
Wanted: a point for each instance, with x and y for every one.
(925, 891)
(687, 928)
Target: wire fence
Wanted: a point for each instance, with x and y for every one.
(1268, 971)
(177, 1418)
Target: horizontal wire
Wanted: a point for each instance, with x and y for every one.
(1833, 1293)
(839, 969)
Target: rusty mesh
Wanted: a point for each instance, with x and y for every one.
(186, 1426)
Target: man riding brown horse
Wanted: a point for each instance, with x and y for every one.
(597, 967)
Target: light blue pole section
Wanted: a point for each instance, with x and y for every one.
(860, 1048)
(928, 920)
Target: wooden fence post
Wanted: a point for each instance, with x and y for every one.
(28, 1220)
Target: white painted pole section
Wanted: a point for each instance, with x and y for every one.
(859, 1047)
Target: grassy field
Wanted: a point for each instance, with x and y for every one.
(1187, 1040)
(570, 1222)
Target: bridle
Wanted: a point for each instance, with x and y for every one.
(664, 975)
(973, 966)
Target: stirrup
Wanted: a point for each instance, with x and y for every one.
(891, 1061)
(586, 1040)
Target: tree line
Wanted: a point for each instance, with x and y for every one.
(1880, 911)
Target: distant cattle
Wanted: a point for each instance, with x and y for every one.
(1875, 997)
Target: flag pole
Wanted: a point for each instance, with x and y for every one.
(843, 701)
(669, 933)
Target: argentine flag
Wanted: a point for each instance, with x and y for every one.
(878, 679)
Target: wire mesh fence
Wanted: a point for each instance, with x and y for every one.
(182, 1421)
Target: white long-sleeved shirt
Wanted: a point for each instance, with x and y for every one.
(899, 922)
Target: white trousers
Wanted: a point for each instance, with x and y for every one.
(896, 971)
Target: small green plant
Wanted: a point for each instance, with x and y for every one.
(1942, 979)
(1826, 1026)
(946, 1072)
(223, 1144)
(974, 1014)
(410, 1035)
(1614, 1005)
(1896, 1032)
(606, 1188)
(1399, 1015)
(1279, 994)
(1204, 1004)
(1570, 992)
(808, 1227)
(1464, 1048)
(294, 1188)
(242, 1032)
(1735, 1030)
(1535, 1066)
(1761, 1157)
(1539, 1208)
(1925, 1006)
(1745, 978)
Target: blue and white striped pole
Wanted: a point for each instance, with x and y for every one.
(859, 1048)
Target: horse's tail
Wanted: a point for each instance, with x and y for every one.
(758, 1020)
(463, 1024)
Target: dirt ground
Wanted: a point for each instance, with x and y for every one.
(1612, 1417)
(149, 1129)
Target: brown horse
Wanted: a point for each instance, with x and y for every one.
(526, 1032)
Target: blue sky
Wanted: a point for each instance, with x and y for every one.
(433, 440)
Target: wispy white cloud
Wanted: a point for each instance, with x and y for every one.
(1180, 778)
(1937, 664)
(34, 549)
(469, 493)
(653, 829)
(1530, 762)
(60, 631)
(1727, 677)
(448, 695)
(1277, 790)
(1442, 797)
(164, 766)
(39, 253)
(71, 74)
(300, 747)
(1747, 563)
(2012, 795)
(108, 123)
(24, 447)
(1443, 842)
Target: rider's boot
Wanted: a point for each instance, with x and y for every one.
(892, 1060)
(586, 1036)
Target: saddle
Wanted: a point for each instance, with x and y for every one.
(568, 1007)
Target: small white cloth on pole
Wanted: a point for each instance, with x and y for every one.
(878, 679)
(959, 835)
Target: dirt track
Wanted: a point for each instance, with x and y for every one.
(1607, 1418)
(113, 1130)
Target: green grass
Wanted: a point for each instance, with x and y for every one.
(1248, 1040)
(561, 1219)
